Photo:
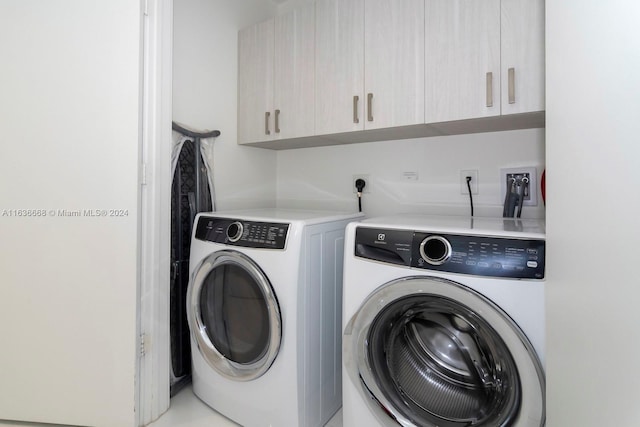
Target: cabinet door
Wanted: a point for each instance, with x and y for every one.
(522, 56)
(462, 59)
(255, 82)
(394, 63)
(339, 66)
(294, 105)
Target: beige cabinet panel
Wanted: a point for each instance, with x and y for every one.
(294, 105)
(394, 63)
(466, 40)
(462, 59)
(255, 82)
(339, 66)
(522, 50)
(276, 78)
(369, 64)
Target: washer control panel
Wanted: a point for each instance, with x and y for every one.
(238, 232)
(452, 253)
(482, 256)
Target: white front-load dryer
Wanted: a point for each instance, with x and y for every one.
(443, 322)
(264, 311)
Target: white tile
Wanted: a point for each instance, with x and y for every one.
(186, 410)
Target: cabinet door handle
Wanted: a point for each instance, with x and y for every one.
(355, 109)
(512, 85)
(489, 89)
(277, 121)
(266, 123)
(370, 107)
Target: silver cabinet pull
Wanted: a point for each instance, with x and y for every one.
(355, 109)
(369, 107)
(512, 85)
(277, 121)
(489, 89)
(266, 123)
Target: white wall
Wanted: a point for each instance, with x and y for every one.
(69, 108)
(593, 160)
(205, 94)
(285, 6)
(322, 178)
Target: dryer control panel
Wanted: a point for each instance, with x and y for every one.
(452, 253)
(239, 232)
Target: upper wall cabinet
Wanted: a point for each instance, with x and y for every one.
(342, 71)
(339, 65)
(394, 63)
(522, 55)
(369, 64)
(483, 58)
(255, 82)
(462, 59)
(276, 78)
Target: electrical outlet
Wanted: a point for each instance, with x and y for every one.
(367, 187)
(473, 173)
(526, 176)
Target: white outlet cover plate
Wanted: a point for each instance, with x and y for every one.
(473, 173)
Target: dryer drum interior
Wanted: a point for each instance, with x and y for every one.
(235, 314)
(440, 363)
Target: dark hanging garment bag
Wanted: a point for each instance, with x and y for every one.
(190, 194)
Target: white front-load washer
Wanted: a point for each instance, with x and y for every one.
(443, 322)
(264, 310)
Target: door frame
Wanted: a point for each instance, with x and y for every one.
(154, 235)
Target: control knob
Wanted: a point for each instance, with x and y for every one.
(436, 250)
(234, 231)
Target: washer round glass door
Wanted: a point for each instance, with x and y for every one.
(234, 315)
(431, 352)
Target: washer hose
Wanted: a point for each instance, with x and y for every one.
(510, 201)
(521, 190)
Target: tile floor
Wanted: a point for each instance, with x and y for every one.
(187, 410)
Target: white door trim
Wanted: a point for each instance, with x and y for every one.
(154, 360)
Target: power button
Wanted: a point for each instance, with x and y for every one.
(234, 231)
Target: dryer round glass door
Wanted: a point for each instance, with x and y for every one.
(234, 315)
(431, 352)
